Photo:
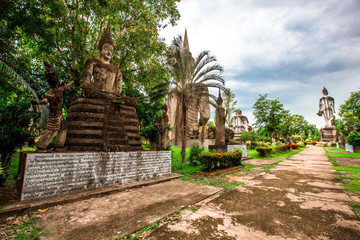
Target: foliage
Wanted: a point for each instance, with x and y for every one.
(210, 123)
(213, 161)
(28, 229)
(195, 151)
(283, 148)
(350, 111)
(278, 143)
(148, 113)
(251, 144)
(332, 144)
(15, 130)
(294, 146)
(354, 138)
(183, 168)
(189, 76)
(229, 104)
(249, 136)
(268, 114)
(301, 144)
(263, 151)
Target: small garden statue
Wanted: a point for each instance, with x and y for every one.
(327, 108)
(101, 79)
(55, 121)
(220, 122)
(162, 125)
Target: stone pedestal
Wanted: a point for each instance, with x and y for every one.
(103, 125)
(328, 134)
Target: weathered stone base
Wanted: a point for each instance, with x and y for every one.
(103, 125)
(48, 174)
(328, 134)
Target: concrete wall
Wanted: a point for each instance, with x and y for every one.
(47, 174)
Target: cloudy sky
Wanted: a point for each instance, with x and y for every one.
(287, 49)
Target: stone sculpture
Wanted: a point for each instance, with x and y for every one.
(103, 121)
(220, 122)
(162, 125)
(327, 108)
(55, 121)
(240, 124)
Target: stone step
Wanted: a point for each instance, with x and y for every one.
(84, 141)
(90, 101)
(98, 133)
(84, 124)
(135, 143)
(117, 141)
(87, 108)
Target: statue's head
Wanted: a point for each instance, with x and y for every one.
(51, 75)
(106, 45)
(325, 91)
(238, 112)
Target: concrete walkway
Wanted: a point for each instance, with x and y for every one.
(302, 198)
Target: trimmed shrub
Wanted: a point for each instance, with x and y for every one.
(301, 144)
(278, 143)
(313, 143)
(354, 138)
(294, 146)
(263, 151)
(195, 150)
(332, 144)
(213, 161)
(282, 148)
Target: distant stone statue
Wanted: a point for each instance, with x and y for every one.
(101, 79)
(220, 122)
(327, 108)
(240, 124)
(55, 121)
(162, 125)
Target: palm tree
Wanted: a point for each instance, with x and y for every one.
(189, 76)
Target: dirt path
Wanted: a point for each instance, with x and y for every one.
(300, 199)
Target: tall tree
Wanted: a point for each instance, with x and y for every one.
(67, 32)
(268, 114)
(229, 104)
(188, 78)
(350, 111)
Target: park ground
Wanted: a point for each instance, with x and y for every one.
(305, 196)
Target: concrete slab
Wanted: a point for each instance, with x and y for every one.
(122, 213)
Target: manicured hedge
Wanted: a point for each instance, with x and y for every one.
(263, 151)
(294, 146)
(213, 161)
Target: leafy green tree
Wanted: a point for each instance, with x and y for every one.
(15, 130)
(350, 112)
(354, 138)
(67, 33)
(188, 78)
(229, 103)
(268, 114)
(249, 136)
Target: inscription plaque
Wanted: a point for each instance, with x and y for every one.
(47, 174)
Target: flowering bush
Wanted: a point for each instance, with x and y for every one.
(283, 148)
(294, 146)
(313, 143)
(301, 144)
(213, 161)
(263, 151)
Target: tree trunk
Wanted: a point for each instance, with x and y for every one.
(184, 132)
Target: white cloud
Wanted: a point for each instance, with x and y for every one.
(288, 49)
